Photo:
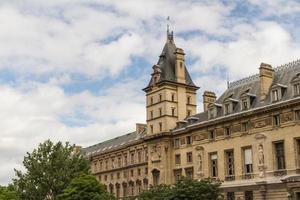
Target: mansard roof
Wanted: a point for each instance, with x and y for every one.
(115, 143)
(283, 76)
(166, 64)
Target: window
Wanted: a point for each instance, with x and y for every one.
(177, 159)
(112, 163)
(248, 195)
(248, 169)
(276, 120)
(119, 162)
(229, 162)
(125, 174)
(151, 100)
(245, 126)
(111, 176)
(188, 100)
(230, 196)
(177, 174)
(160, 97)
(298, 152)
(151, 114)
(125, 160)
(131, 173)
(189, 113)
(105, 178)
(211, 113)
(160, 126)
(173, 97)
(189, 172)
(244, 104)
(176, 143)
(226, 107)
(214, 165)
(146, 170)
(182, 141)
(296, 89)
(106, 164)
(212, 134)
(139, 156)
(279, 155)
(151, 128)
(156, 176)
(189, 157)
(275, 96)
(189, 140)
(173, 112)
(118, 175)
(139, 172)
(297, 113)
(101, 165)
(132, 158)
(227, 131)
(160, 111)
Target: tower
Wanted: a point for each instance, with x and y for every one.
(171, 93)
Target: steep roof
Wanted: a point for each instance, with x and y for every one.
(283, 76)
(166, 64)
(114, 143)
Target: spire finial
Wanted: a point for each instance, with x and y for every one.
(169, 35)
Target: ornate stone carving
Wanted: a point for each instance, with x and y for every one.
(287, 117)
(155, 153)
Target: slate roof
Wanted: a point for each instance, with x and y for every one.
(166, 64)
(283, 76)
(114, 143)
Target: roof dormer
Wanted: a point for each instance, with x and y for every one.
(246, 100)
(213, 110)
(229, 104)
(277, 92)
(295, 82)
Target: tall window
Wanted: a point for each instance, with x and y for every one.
(112, 163)
(245, 126)
(132, 158)
(276, 120)
(248, 168)
(160, 111)
(173, 97)
(230, 196)
(176, 143)
(106, 164)
(189, 157)
(249, 195)
(151, 128)
(125, 160)
(275, 96)
(244, 104)
(298, 152)
(296, 89)
(188, 99)
(177, 174)
(227, 131)
(160, 97)
(139, 156)
(151, 114)
(151, 100)
(160, 126)
(189, 172)
(279, 154)
(214, 165)
(189, 140)
(173, 111)
(226, 107)
(119, 162)
(177, 159)
(212, 134)
(155, 174)
(229, 162)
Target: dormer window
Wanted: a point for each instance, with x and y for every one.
(297, 89)
(244, 104)
(226, 109)
(278, 91)
(246, 100)
(275, 95)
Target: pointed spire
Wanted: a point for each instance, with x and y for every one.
(170, 37)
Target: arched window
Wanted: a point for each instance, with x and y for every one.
(156, 176)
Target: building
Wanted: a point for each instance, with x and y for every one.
(249, 137)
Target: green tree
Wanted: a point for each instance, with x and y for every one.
(85, 187)
(8, 193)
(159, 192)
(49, 169)
(184, 189)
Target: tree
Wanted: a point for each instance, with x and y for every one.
(184, 189)
(8, 193)
(49, 169)
(85, 187)
(159, 192)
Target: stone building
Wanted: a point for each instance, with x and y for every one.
(249, 137)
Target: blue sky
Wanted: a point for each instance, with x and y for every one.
(73, 70)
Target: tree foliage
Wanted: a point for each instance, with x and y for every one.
(184, 189)
(85, 187)
(8, 193)
(49, 169)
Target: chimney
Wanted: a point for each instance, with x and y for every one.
(266, 76)
(140, 127)
(179, 65)
(208, 98)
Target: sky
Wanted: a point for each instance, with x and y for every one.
(73, 70)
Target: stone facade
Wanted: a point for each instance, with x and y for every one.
(248, 138)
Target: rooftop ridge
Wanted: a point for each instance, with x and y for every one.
(290, 65)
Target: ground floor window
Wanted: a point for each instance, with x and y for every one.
(230, 196)
(249, 195)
